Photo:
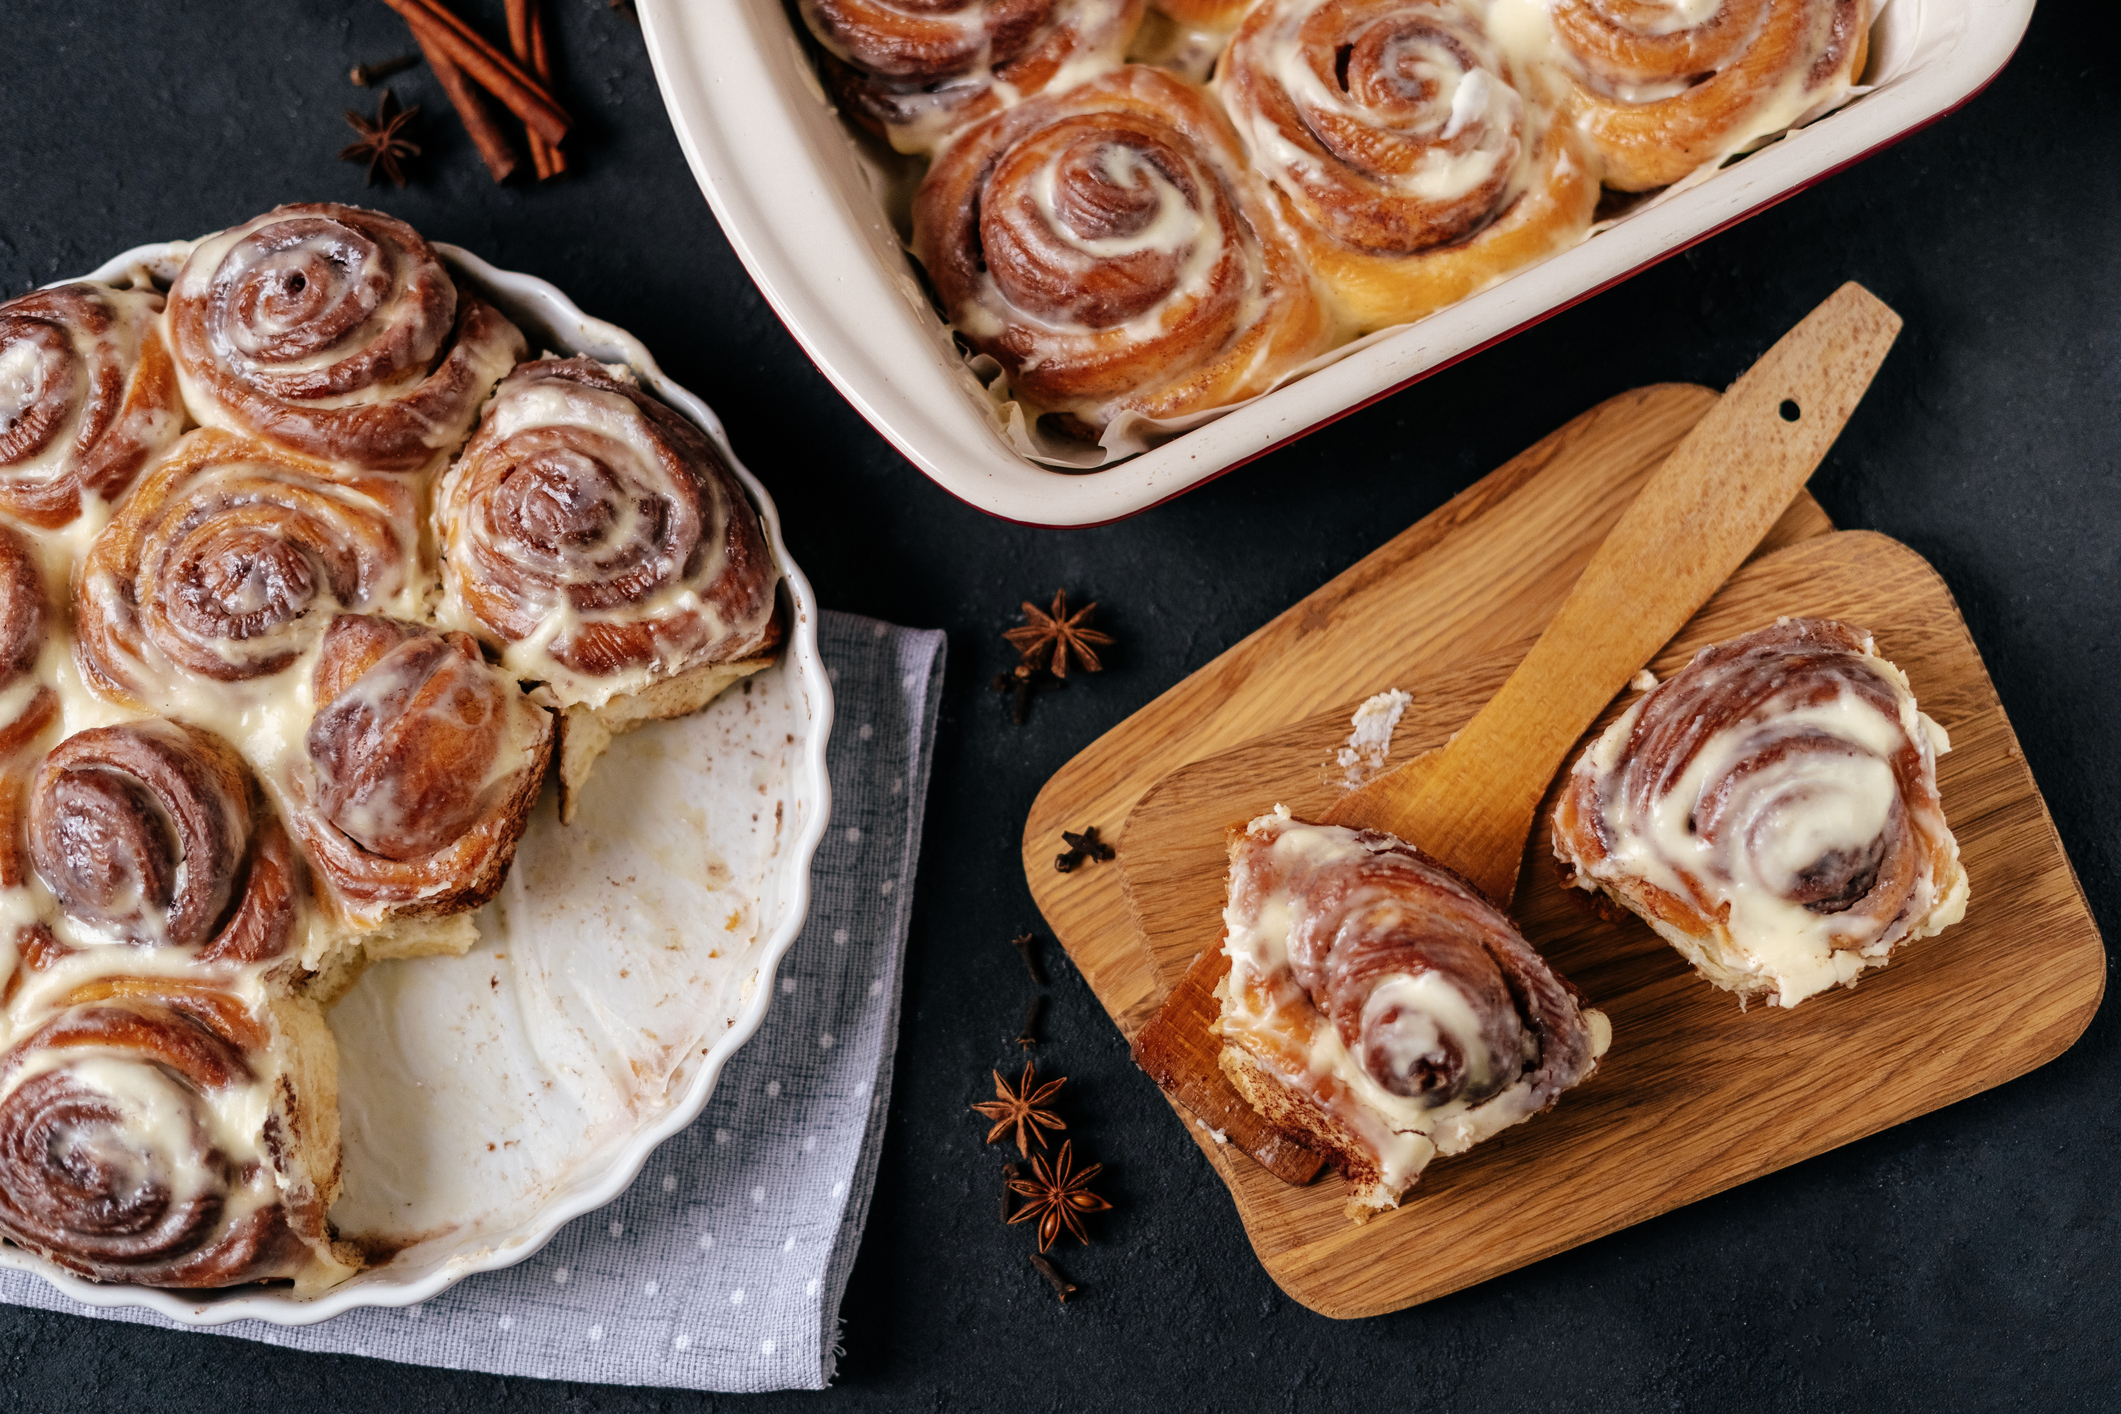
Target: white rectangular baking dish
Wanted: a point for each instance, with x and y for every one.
(805, 215)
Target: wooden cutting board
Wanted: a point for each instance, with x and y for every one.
(1695, 1095)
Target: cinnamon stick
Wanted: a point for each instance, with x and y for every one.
(541, 65)
(485, 129)
(526, 36)
(519, 44)
(492, 70)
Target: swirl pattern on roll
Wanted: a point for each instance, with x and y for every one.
(149, 1133)
(918, 71)
(335, 332)
(424, 762)
(27, 705)
(597, 539)
(1413, 158)
(1663, 86)
(1109, 248)
(1383, 1011)
(157, 835)
(1772, 811)
(227, 562)
(87, 397)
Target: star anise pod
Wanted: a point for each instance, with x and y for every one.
(1059, 1197)
(1062, 632)
(1023, 1109)
(382, 142)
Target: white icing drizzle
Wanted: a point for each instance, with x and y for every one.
(1777, 820)
(212, 262)
(1457, 98)
(1405, 1132)
(29, 371)
(525, 406)
(1370, 740)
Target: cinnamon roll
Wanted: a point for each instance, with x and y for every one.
(226, 563)
(1772, 811)
(1109, 248)
(168, 1132)
(598, 542)
(1413, 158)
(1661, 87)
(917, 71)
(28, 705)
(1380, 1010)
(335, 332)
(157, 835)
(87, 397)
(423, 763)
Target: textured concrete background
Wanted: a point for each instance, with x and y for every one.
(1963, 1260)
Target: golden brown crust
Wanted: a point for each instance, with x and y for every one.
(228, 560)
(111, 1157)
(1726, 70)
(917, 73)
(425, 763)
(1297, 1115)
(336, 333)
(1352, 159)
(593, 536)
(158, 835)
(1159, 328)
(1782, 735)
(1380, 1010)
(106, 399)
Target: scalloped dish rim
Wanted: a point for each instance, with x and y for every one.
(587, 1188)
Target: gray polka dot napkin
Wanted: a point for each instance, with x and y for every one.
(723, 1266)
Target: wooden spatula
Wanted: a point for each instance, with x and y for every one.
(1471, 803)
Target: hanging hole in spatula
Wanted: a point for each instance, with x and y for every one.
(1789, 410)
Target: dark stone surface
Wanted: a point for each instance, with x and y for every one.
(1963, 1260)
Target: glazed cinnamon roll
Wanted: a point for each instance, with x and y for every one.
(917, 71)
(599, 543)
(28, 705)
(423, 764)
(1380, 1010)
(157, 835)
(1108, 247)
(1664, 86)
(335, 332)
(87, 397)
(1412, 157)
(226, 563)
(1772, 811)
(168, 1132)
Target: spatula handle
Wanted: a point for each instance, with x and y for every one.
(1698, 517)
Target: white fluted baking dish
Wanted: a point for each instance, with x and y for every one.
(804, 210)
(461, 1170)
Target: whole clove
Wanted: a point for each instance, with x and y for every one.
(1027, 1034)
(1010, 1174)
(1080, 847)
(1026, 946)
(1021, 683)
(1062, 1287)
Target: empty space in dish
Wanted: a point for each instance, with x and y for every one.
(806, 208)
(472, 1088)
(487, 1099)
